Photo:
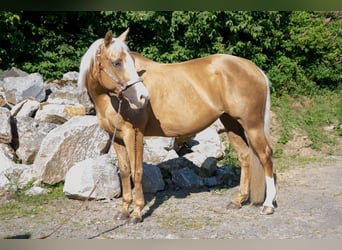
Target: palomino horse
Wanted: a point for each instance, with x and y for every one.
(177, 100)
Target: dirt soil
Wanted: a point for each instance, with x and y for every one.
(309, 207)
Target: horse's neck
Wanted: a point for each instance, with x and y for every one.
(142, 62)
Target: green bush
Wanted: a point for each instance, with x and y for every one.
(310, 55)
(299, 50)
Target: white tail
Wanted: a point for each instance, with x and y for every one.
(258, 183)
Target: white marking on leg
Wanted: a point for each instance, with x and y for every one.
(270, 192)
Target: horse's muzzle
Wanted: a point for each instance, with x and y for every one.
(137, 95)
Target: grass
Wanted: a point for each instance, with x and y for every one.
(21, 205)
(286, 161)
(230, 157)
(309, 116)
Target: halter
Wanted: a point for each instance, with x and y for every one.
(123, 86)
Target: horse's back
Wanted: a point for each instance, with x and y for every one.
(188, 96)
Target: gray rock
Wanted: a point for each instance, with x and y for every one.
(7, 150)
(186, 178)
(228, 175)
(152, 180)
(30, 136)
(210, 181)
(82, 177)
(6, 167)
(13, 72)
(168, 166)
(155, 150)
(25, 108)
(14, 176)
(77, 139)
(207, 143)
(5, 126)
(218, 126)
(3, 100)
(172, 154)
(19, 88)
(58, 113)
(203, 165)
(70, 95)
(70, 76)
(35, 191)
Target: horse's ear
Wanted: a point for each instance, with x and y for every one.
(123, 36)
(108, 38)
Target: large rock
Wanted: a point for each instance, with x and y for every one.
(3, 101)
(71, 76)
(8, 151)
(219, 127)
(228, 175)
(176, 163)
(77, 139)
(152, 180)
(70, 95)
(156, 149)
(203, 165)
(186, 178)
(82, 177)
(14, 176)
(58, 113)
(20, 88)
(208, 143)
(30, 136)
(25, 108)
(13, 72)
(6, 171)
(5, 126)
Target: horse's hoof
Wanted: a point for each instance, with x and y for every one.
(232, 205)
(266, 210)
(134, 220)
(121, 216)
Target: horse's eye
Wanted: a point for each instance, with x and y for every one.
(117, 63)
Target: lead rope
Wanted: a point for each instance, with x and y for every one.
(117, 120)
(94, 187)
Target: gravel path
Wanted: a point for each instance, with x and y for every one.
(309, 207)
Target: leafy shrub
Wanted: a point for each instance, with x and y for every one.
(310, 56)
(300, 50)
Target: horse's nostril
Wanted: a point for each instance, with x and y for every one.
(143, 98)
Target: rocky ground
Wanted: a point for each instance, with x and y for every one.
(309, 207)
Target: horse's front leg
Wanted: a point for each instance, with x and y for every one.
(135, 153)
(125, 172)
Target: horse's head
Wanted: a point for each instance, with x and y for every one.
(116, 71)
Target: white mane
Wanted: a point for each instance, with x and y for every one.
(85, 63)
(90, 55)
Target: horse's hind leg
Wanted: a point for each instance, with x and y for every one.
(263, 150)
(239, 142)
(125, 172)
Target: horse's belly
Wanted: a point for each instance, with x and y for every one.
(178, 123)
